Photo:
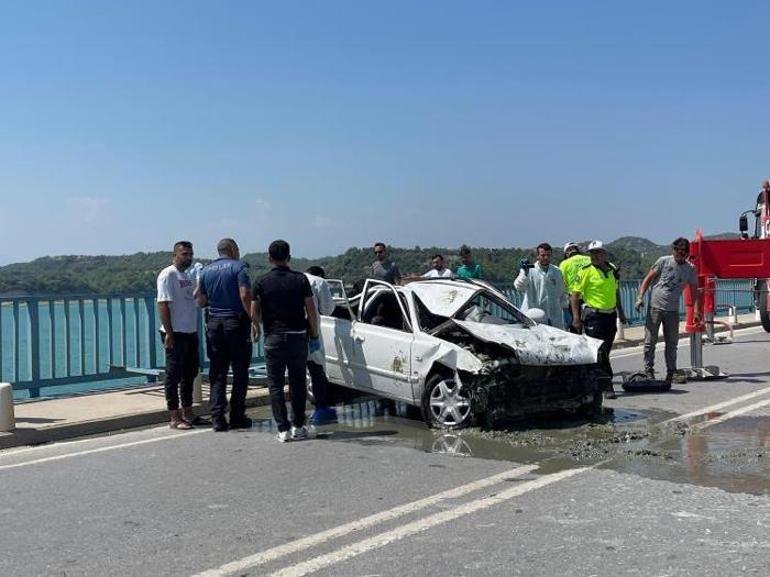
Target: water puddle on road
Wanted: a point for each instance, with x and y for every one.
(734, 455)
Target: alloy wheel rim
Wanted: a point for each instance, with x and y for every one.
(448, 406)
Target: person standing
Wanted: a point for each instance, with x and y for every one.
(179, 332)
(598, 286)
(383, 268)
(438, 269)
(316, 363)
(543, 287)
(573, 261)
(668, 277)
(468, 268)
(224, 287)
(283, 303)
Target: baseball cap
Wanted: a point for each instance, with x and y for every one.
(570, 245)
(596, 245)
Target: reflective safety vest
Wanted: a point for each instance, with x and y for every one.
(597, 287)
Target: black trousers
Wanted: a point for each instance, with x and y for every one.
(282, 352)
(182, 364)
(602, 326)
(320, 384)
(228, 344)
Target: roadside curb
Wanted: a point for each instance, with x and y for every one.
(116, 424)
(635, 342)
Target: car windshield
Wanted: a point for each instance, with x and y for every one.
(487, 308)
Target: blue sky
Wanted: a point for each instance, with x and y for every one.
(126, 126)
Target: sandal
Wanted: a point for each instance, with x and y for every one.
(180, 424)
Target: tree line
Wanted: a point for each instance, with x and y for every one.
(137, 273)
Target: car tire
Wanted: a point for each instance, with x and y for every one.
(445, 405)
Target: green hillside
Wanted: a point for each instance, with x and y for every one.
(70, 275)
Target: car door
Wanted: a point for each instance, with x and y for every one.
(336, 333)
(382, 343)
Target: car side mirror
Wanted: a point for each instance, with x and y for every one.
(537, 315)
(743, 224)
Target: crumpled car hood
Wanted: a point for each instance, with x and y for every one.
(539, 345)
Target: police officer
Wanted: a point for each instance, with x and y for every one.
(597, 285)
(225, 288)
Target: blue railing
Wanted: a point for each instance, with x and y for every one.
(736, 293)
(92, 340)
(53, 342)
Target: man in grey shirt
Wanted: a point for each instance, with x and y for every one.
(668, 277)
(383, 268)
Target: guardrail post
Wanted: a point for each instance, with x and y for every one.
(33, 309)
(7, 419)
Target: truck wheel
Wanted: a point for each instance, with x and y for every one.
(764, 314)
(445, 405)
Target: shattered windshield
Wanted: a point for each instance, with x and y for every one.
(489, 309)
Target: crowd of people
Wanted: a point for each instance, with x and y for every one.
(580, 295)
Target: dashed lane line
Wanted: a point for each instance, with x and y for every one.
(298, 545)
(719, 406)
(731, 415)
(388, 537)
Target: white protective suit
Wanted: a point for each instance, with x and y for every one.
(543, 289)
(324, 305)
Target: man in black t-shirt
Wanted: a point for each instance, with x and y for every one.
(283, 303)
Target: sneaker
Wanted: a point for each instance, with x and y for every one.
(299, 433)
(676, 377)
(240, 423)
(283, 436)
(220, 426)
(324, 416)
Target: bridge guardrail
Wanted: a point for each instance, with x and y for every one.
(54, 341)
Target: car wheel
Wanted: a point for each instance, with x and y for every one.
(445, 405)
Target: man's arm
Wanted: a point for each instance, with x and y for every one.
(649, 277)
(619, 306)
(164, 310)
(521, 282)
(246, 299)
(312, 317)
(255, 313)
(574, 300)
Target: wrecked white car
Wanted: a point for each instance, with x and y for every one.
(459, 351)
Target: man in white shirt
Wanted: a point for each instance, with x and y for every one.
(316, 361)
(179, 331)
(438, 270)
(543, 287)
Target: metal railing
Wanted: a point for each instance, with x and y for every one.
(46, 342)
(56, 341)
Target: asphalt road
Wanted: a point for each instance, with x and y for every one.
(673, 483)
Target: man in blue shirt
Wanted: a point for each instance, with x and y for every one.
(225, 289)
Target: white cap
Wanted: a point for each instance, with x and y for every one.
(570, 244)
(595, 245)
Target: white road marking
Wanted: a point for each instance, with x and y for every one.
(66, 443)
(102, 449)
(298, 545)
(719, 406)
(732, 414)
(383, 539)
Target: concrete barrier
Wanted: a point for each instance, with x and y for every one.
(7, 419)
